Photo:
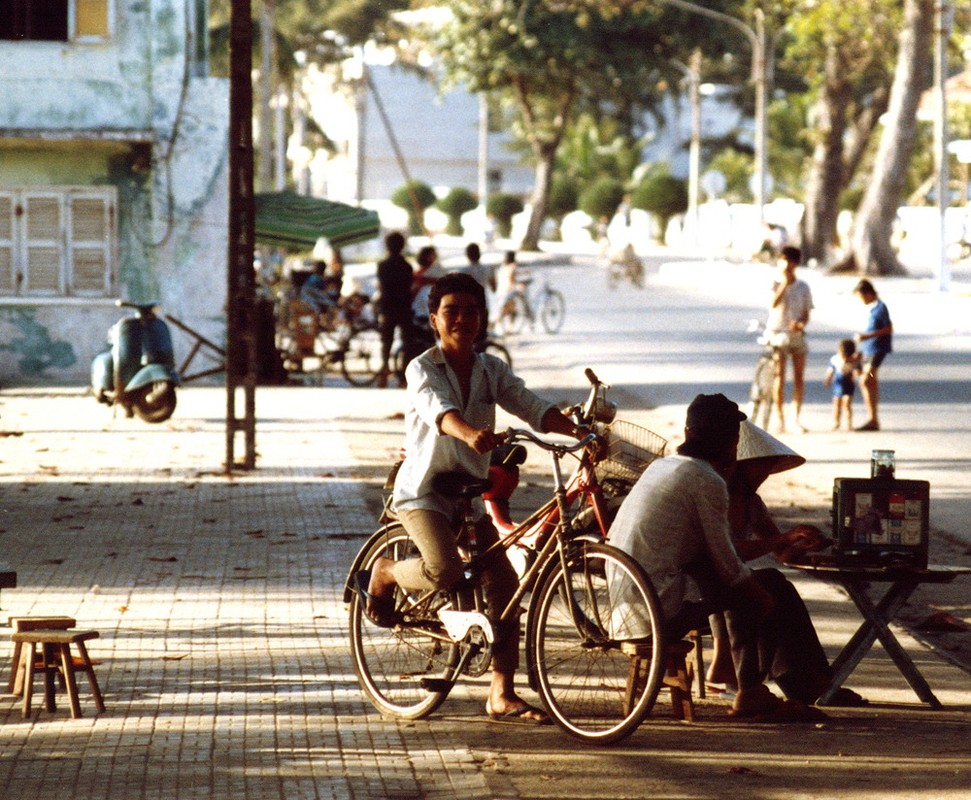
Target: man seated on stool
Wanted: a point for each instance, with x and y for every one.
(675, 523)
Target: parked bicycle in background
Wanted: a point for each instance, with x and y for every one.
(525, 305)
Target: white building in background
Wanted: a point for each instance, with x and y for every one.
(436, 132)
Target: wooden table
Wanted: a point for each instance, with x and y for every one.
(902, 581)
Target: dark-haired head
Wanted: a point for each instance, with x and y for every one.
(711, 429)
(455, 283)
(394, 242)
(791, 254)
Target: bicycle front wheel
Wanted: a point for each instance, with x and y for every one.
(361, 361)
(552, 312)
(597, 643)
(405, 672)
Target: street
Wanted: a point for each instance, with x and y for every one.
(223, 653)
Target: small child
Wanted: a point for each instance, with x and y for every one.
(842, 373)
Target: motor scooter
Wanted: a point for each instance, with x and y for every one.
(137, 371)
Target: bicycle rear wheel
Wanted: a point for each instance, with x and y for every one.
(552, 311)
(597, 643)
(405, 672)
(499, 351)
(513, 315)
(361, 361)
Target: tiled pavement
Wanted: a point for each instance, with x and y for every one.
(223, 654)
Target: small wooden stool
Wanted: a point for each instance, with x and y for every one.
(52, 642)
(15, 683)
(678, 675)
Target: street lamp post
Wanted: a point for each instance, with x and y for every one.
(761, 77)
(944, 20)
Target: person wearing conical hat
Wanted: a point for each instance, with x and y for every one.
(790, 652)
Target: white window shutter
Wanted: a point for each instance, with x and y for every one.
(42, 223)
(91, 243)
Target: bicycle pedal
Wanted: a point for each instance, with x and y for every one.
(435, 684)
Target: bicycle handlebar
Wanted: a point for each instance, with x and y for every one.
(518, 434)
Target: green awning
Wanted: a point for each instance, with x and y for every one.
(286, 219)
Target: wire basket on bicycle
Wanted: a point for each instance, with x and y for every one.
(630, 448)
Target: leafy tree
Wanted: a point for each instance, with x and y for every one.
(549, 59)
(602, 198)
(663, 196)
(456, 203)
(414, 197)
(736, 166)
(503, 207)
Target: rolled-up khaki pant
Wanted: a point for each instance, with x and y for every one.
(441, 567)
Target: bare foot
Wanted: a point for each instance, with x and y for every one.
(382, 583)
(515, 708)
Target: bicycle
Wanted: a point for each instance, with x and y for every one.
(340, 340)
(592, 613)
(362, 359)
(624, 265)
(763, 382)
(547, 305)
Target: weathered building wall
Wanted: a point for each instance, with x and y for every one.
(136, 114)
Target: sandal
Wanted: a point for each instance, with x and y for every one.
(380, 610)
(786, 711)
(847, 698)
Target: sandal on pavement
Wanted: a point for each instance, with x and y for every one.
(517, 715)
(869, 426)
(786, 711)
(847, 698)
(380, 610)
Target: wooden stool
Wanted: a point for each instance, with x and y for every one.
(678, 675)
(15, 683)
(51, 642)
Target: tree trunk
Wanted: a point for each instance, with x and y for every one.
(545, 140)
(872, 252)
(545, 153)
(827, 177)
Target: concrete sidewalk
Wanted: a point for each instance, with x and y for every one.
(223, 653)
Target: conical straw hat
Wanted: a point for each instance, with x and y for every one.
(755, 443)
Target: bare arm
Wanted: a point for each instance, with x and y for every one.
(481, 440)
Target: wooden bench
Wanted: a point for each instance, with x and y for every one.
(56, 643)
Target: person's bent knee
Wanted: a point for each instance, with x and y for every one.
(444, 576)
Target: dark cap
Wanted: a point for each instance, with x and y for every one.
(710, 413)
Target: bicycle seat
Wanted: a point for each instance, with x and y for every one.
(460, 484)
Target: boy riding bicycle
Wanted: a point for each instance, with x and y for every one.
(453, 394)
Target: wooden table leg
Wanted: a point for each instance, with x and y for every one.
(876, 627)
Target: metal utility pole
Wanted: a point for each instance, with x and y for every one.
(761, 77)
(692, 72)
(240, 290)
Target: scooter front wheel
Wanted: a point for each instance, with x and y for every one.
(154, 402)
